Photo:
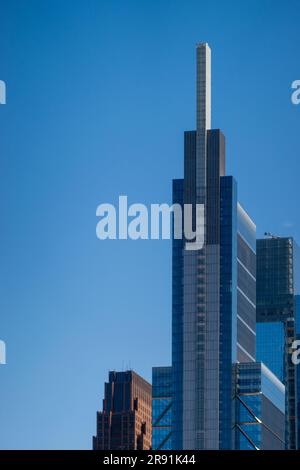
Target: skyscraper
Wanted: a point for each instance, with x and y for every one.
(162, 408)
(125, 422)
(277, 285)
(214, 291)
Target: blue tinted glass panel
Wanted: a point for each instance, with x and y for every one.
(270, 346)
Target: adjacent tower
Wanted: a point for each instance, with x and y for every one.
(277, 286)
(214, 293)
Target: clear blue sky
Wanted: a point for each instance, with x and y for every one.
(99, 94)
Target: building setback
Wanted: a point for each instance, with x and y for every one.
(260, 408)
(125, 422)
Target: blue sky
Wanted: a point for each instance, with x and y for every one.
(99, 94)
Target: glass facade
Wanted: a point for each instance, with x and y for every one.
(297, 312)
(228, 306)
(177, 326)
(260, 408)
(162, 408)
(237, 299)
(297, 305)
(246, 287)
(276, 288)
(270, 346)
(196, 300)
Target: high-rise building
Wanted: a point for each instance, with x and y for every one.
(277, 285)
(162, 408)
(125, 422)
(260, 408)
(214, 288)
(297, 305)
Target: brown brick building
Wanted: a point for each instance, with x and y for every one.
(125, 422)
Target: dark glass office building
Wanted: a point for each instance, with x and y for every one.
(177, 327)
(297, 306)
(260, 408)
(277, 285)
(162, 408)
(125, 422)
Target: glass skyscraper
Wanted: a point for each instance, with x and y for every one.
(277, 285)
(260, 408)
(214, 288)
(162, 408)
(297, 305)
(177, 327)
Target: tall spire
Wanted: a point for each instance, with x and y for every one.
(203, 117)
(203, 87)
